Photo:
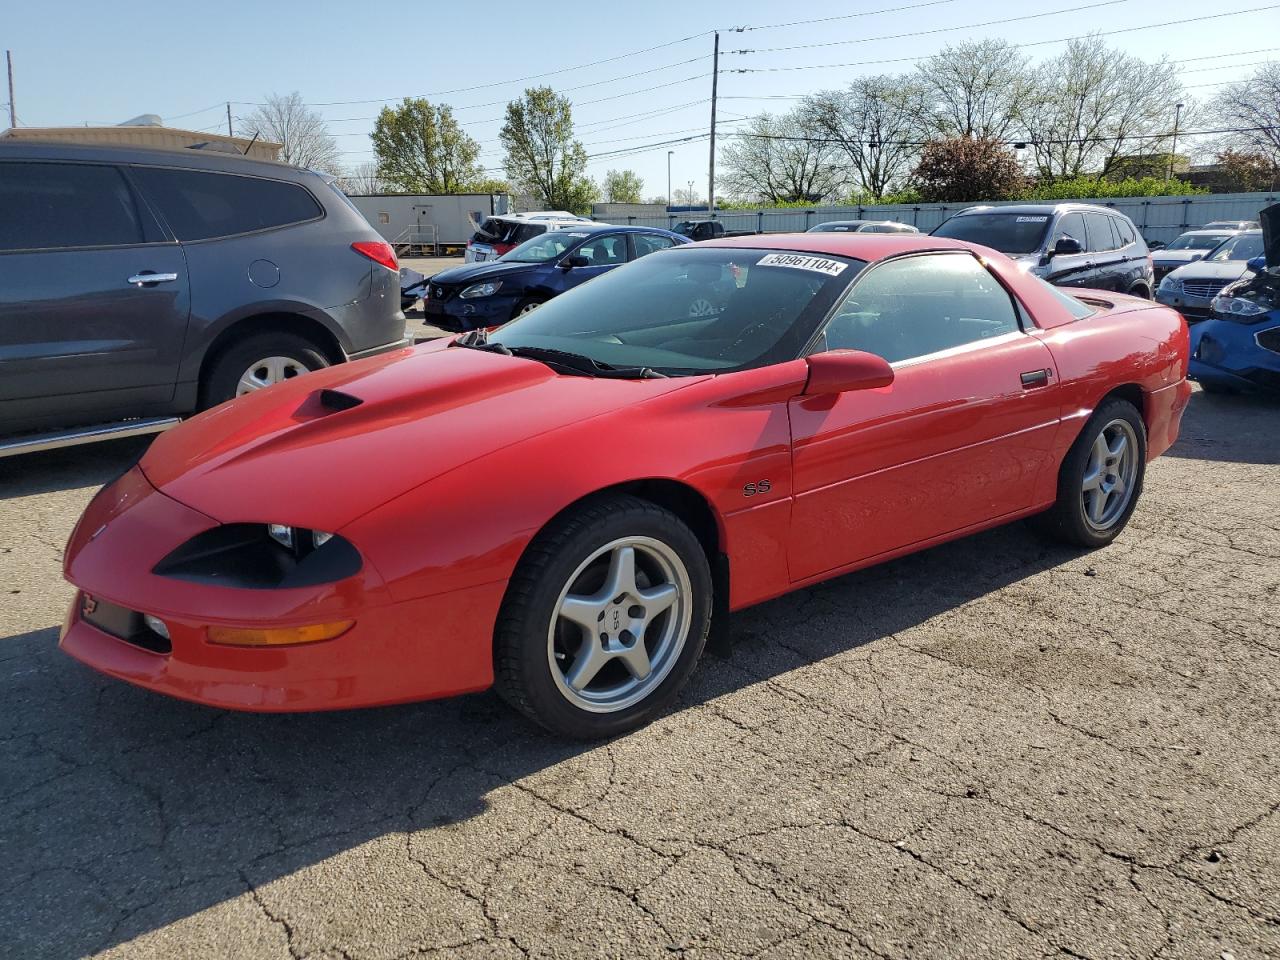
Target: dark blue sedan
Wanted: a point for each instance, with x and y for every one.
(488, 294)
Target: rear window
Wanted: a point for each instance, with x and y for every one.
(51, 205)
(1007, 232)
(1201, 241)
(200, 205)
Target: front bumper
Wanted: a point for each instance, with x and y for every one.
(415, 649)
(1231, 354)
(459, 315)
(1193, 308)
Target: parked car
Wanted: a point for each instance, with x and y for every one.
(140, 285)
(708, 230)
(1190, 288)
(1188, 248)
(499, 235)
(412, 286)
(1068, 244)
(862, 226)
(488, 294)
(1238, 347)
(1232, 225)
(562, 508)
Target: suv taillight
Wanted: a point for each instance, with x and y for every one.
(379, 251)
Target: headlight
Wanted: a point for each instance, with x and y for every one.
(1169, 284)
(1238, 309)
(262, 557)
(486, 289)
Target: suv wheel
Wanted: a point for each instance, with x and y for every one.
(259, 361)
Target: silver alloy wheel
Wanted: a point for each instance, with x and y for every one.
(702, 307)
(1110, 475)
(528, 308)
(267, 371)
(620, 624)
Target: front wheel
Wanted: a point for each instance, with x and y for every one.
(1101, 478)
(256, 362)
(604, 619)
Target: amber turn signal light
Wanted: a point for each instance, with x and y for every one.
(279, 636)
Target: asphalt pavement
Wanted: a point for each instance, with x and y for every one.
(997, 748)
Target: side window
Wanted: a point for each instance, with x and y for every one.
(1100, 236)
(1125, 230)
(527, 231)
(1072, 225)
(647, 243)
(920, 305)
(604, 251)
(58, 205)
(200, 205)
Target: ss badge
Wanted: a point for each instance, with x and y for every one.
(760, 486)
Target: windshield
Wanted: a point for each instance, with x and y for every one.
(1246, 246)
(545, 248)
(836, 226)
(1198, 241)
(689, 311)
(1007, 232)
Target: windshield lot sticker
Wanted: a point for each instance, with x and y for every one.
(832, 268)
(1032, 219)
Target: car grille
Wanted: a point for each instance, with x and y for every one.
(441, 293)
(1203, 289)
(1160, 272)
(1269, 339)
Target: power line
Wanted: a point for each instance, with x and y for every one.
(845, 16)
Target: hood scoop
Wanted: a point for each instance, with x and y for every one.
(321, 403)
(336, 400)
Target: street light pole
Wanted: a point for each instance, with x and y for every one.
(670, 154)
(1177, 115)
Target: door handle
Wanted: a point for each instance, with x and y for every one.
(1035, 378)
(146, 277)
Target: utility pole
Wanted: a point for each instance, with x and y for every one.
(711, 172)
(13, 109)
(670, 153)
(1177, 115)
(229, 131)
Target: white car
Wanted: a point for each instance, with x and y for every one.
(498, 234)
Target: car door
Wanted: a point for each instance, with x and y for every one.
(94, 299)
(1104, 248)
(602, 252)
(1071, 269)
(957, 440)
(643, 244)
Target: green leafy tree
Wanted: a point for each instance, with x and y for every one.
(623, 186)
(963, 168)
(421, 149)
(542, 157)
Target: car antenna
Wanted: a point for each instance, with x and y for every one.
(251, 143)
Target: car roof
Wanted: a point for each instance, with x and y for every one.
(859, 246)
(160, 156)
(591, 227)
(1040, 208)
(1203, 230)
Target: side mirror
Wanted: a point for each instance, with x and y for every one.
(1155, 245)
(576, 261)
(1067, 245)
(839, 371)
(1257, 265)
(1197, 256)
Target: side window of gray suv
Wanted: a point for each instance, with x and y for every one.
(200, 206)
(47, 206)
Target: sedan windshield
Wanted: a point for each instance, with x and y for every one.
(1246, 246)
(689, 311)
(545, 248)
(1012, 233)
(1198, 241)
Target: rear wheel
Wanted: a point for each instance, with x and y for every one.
(1101, 478)
(604, 619)
(257, 362)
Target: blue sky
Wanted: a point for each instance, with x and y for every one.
(107, 62)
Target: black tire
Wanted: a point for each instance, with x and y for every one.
(220, 381)
(525, 305)
(1140, 290)
(522, 661)
(1067, 520)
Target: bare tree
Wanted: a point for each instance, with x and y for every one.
(875, 124)
(1253, 106)
(781, 159)
(301, 132)
(1095, 110)
(975, 89)
(363, 180)
(685, 198)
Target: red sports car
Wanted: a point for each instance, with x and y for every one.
(561, 508)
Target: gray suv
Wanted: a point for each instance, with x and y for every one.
(138, 285)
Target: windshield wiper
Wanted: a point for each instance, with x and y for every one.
(563, 359)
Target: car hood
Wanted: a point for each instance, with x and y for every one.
(1169, 257)
(477, 272)
(1226, 270)
(321, 450)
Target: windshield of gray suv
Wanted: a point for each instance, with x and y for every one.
(1012, 233)
(545, 248)
(1246, 246)
(1198, 241)
(690, 311)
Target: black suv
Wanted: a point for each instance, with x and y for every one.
(138, 285)
(1068, 244)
